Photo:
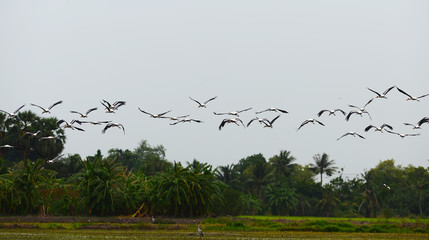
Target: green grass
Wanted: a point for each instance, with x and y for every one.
(54, 234)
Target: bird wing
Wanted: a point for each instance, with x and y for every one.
(109, 125)
(422, 96)
(412, 134)
(80, 129)
(145, 112)
(423, 120)
(359, 135)
(343, 136)
(17, 110)
(341, 111)
(368, 114)
(303, 123)
(274, 119)
(243, 110)
(368, 102)
(175, 122)
(368, 128)
(374, 92)
(409, 124)
(161, 114)
(37, 106)
(388, 90)
(195, 101)
(53, 105)
(321, 112)
(386, 125)
(5, 112)
(402, 91)
(106, 104)
(319, 122)
(348, 115)
(215, 113)
(393, 132)
(77, 113)
(61, 121)
(281, 110)
(211, 99)
(196, 120)
(251, 121)
(263, 111)
(90, 110)
(222, 124)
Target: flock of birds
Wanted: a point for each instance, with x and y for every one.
(234, 116)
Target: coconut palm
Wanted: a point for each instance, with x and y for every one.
(281, 199)
(322, 165)
(282, 165)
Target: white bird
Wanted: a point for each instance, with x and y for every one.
(362, 108)
(358, 112)
(109, 125)
(234, 113)
(154, 115)
(7, 146)
(417, 126)
(310, 120)
(186, 120)
(402, 135)
(230, 120)
(354, 134)
(84, 115)
(386, 186)
(175, 118)
(33, 134)
(69, 125)
(331, 112)
(411, 97)
(14, 113)
(153, 220)
(55, 159)
(266, 122)
(260, 120)
(380, 129)
(91, 122)
(273, 110)
(200, 232)
(383, 95)
(48, 138)
(46, 110)
(203, 104)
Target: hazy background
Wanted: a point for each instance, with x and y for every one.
(302, 56)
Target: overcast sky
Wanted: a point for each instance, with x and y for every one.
(301, 56)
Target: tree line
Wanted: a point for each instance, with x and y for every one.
(143, 182)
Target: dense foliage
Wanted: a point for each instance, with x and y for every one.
(143, 182)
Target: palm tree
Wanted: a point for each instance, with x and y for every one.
(281, 199)
(329, 201)
(228, 174)
(322, 165)
(282, 165)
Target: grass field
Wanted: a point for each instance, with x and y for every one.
(241, 227)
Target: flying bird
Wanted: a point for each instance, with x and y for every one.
(109, 125)
(411, 97)
(383, 95)
(175, 118)
(33, 134)
(362, 109)
(402, 135)
(359, 112)
(14, 114)
(204, 103)
(273, 110)
(260, 120)
(354, 134)
(46, 110)
(186, 120)
(69, 125)
(230, 120)
(234, 113)
(380, 129)
(111, 108)
(84, 115)
(7, 146)
(48, 138)
(154, 115)
(270, 123)
(310, 120)
(91, 122)
(331, 112)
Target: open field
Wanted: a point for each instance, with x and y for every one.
(243, 227)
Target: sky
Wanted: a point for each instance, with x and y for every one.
(300, 56)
